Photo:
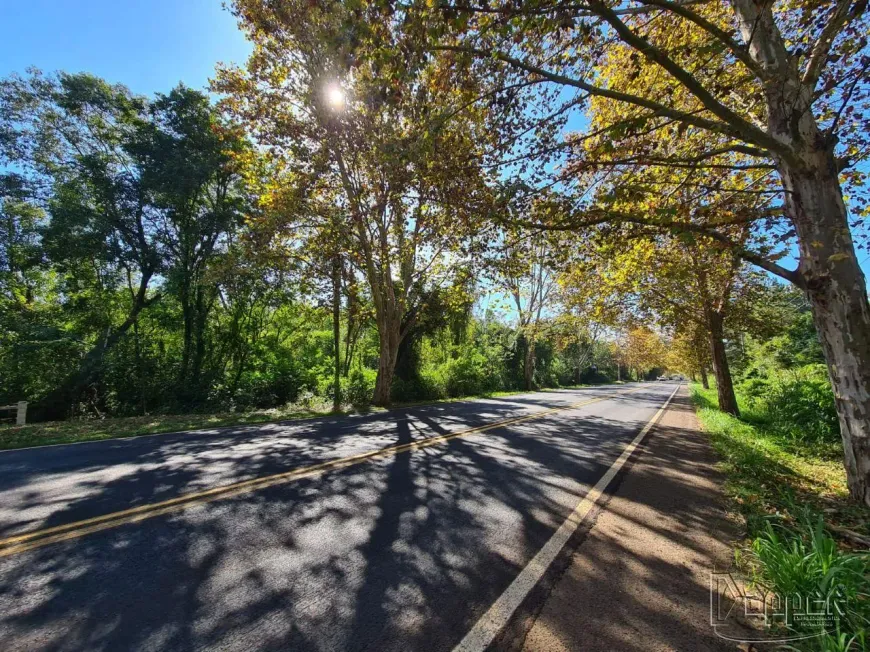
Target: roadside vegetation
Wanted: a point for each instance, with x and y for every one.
(786, 483)
(803, 536)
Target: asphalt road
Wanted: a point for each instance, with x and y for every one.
(400, 552)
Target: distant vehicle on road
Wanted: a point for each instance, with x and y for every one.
(663, 378)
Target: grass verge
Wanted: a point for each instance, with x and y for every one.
(792, 496)
(81, 430)
(769, 475)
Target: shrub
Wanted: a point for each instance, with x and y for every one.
(806, 562)
(465, 375)
(359, 386)
(798, 403)
(429, 385)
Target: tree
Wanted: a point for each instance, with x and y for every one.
(591, 305)
(642, 350)
(70, 132)
(522, 267)
(683, 355)
(20, 251)
(784, 86)
(326, 100)
(135, 193)
(191, 161)
(684, 283)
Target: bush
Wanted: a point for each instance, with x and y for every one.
(798, 403)
(429, 385)
(359, 386)
(807, 563)
(465, 375)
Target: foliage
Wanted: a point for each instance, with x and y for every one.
(740, 123)
(799, 403)
(643, 350)
(359, 386)
(378, 138)
(805, 561)
(768, 473)
(780, 367)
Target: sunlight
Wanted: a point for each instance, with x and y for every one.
(335, 96)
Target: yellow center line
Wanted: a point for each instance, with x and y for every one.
(38, 538)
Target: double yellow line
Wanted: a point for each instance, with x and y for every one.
(39, 538)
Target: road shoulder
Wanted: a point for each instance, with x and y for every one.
(640, 580)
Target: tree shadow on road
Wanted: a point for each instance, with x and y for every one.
(404, 552)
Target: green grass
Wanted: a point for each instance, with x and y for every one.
(804, 560)
(792, 497)
(79, 430)
(770, 475)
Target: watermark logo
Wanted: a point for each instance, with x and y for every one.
(773, 618)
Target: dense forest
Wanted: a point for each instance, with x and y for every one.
(387, 205)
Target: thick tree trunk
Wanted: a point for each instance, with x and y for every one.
(199, 335)
(829, 271)
(705, 383)
(349, 336)
(724, 385)
(388, 332)
(837, 290)
(140, 368)
(187, 338)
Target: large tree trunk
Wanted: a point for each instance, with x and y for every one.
(336, 332)
(724, 385)
(200, 322)
(388, 335)
(140, 367)
(705, 383)
(351, 333)
(837, 291)
(828, 271)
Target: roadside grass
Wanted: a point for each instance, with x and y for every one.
(792, 497)
(770, 475)
(81, 430)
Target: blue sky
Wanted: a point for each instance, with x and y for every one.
(148, 45)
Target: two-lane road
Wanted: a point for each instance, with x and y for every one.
(392, 531)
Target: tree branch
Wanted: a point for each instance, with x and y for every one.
(744, 129)
(738, 50)
(819, 53)
(660, 109)
(793, 276)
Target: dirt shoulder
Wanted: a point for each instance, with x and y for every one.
(641, 578)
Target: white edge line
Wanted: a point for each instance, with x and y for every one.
(496, 618)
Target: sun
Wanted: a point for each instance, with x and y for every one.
(335, 96)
